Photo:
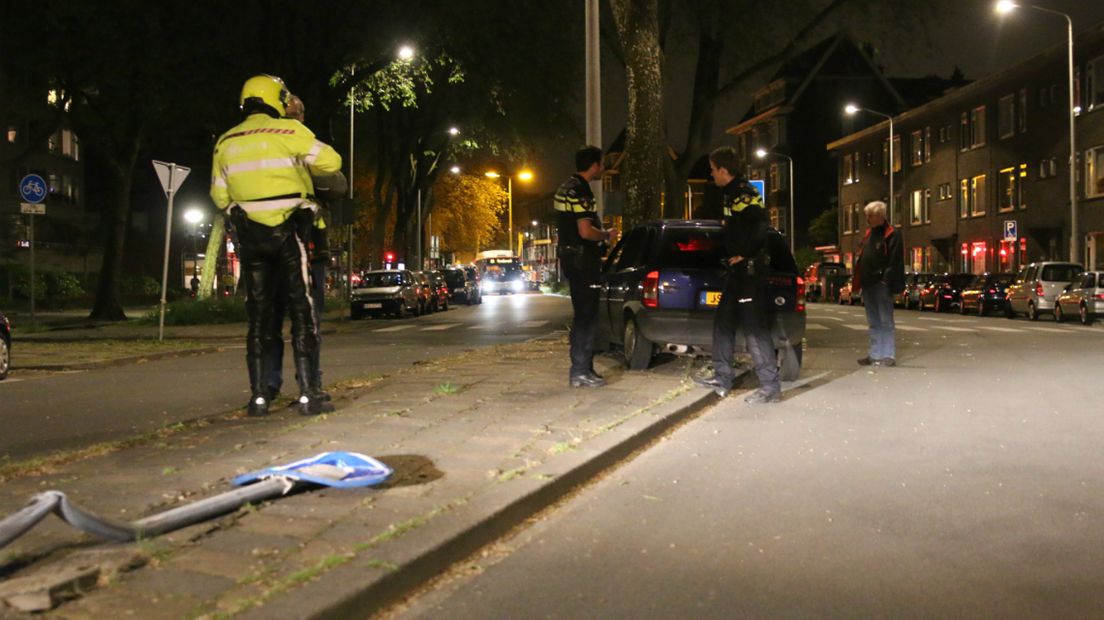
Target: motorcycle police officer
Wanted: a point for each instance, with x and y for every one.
(579, 250)
(261, 175)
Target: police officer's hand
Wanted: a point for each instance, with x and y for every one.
(734, 260)
(613, 235)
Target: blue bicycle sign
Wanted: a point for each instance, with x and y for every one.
(33, 188)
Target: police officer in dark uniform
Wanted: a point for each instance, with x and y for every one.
(580, 253)
(742, 305)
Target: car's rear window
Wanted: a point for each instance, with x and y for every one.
(1060, 273)
(691, 248)
(377, 280)
(454, 278)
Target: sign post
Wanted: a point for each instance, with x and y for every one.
(172, 177)
(33, 189)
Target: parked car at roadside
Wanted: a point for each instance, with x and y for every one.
(1037, 286)
(461, 288)
(1083, 298)
(986, 293)
(5, 346)
(426, 292)
(943, 293)
(901, 300)
(660, 287)
(914, 283)
(848, 295)
(385, 292)
(439, 291)
(476, 280)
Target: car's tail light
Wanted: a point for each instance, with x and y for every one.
(800, 307)
(991, 291)
(1098, 296)
(1039, 289)
(650, 298)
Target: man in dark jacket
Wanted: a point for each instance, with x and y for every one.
(742, 301)
(879, 274)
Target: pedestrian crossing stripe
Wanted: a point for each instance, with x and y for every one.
(954, 329)
(439, 328)
(1007, 330)
(533, 323)
(857, 327)
(395, 328)
(1052, 330)
(910, 328)
(814, 326)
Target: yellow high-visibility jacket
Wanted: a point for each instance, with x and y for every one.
(265, 164)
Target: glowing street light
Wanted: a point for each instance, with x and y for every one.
(790, 230)
(455, 169)
(851, 109)
(1005, 7)
(406, 53)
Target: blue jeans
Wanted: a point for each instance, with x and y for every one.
(879, 315)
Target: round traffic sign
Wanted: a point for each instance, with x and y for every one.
(33, 188)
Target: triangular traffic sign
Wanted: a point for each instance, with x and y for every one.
(165, 170)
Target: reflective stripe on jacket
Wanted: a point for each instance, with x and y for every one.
(265, 166)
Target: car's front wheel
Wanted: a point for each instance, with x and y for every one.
(1086, 318)
(1059, 315)
(1032, 312)
(637, 349)
(982, 310)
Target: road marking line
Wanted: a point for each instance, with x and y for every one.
(395, 328)
(1053, 330)
(910, 328)
(1007, 330)
(832, 318)
(439, 328)
(953, 329)
(534, 323)
(858, 328)
(815, 326)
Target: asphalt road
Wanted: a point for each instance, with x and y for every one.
(965, 483)
(48, 412)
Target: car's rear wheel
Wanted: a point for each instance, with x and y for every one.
(982, 310)
(938, 305)
(1086, 318)
(637, 349)
(789, 362)
(5, 357)
(1032, 312)
(962, 307)
(1059, 316)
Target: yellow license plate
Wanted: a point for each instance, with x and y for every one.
(712, 298)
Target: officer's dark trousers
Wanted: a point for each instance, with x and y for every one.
(584, 325)
(748, 318)
(275, 377)
(275, 263)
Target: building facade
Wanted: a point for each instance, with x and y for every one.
(981, 175)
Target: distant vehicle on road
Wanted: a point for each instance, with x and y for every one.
(1037, 286)
(914, 283)
(848, 295)
(986, 293)
(385, 292)
(660, 288)
(944, 292)
(823, 279)
(5, 346)
(425, 291)
(1084, 297)
(439, 291)
(500, 272)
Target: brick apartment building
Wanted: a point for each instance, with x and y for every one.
(981, 175)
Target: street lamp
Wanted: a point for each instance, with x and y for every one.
(194, 217)
(524, 175)
(1007, 6)
(762, 154)
(852, 109)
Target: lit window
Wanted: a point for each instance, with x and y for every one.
(916, 207)
(1012, 187)
(977, 195)
(917, 141)
(964, 198)
(1094, 172)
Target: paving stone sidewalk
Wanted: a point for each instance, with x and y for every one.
(479, 442)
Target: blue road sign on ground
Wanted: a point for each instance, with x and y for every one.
(1010, 232)
(33, 188)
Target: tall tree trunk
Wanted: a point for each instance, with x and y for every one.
(108, 304)
(646, 144)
